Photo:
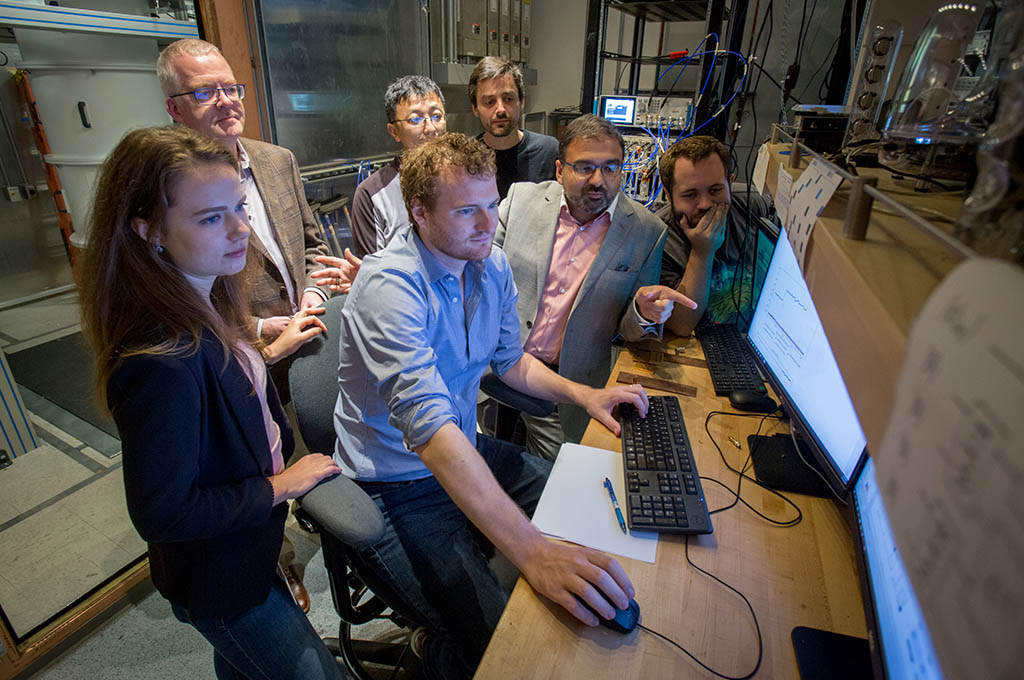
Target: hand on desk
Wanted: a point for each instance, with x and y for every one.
(339, 274)
(599, 403)
(559, 572)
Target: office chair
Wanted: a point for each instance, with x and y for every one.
(339, 510)
(509, 404)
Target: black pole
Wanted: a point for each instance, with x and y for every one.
(639, 23)
(591, 48)
(716, 11)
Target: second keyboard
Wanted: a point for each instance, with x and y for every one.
(663, 490)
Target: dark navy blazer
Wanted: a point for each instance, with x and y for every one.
(196, 462)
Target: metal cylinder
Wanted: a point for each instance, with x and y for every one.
(858, 210)
(795, 153)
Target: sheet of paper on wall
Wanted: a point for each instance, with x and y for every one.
(782, 191)
(951, 468)
(808, 197)
(576, 507)
(761, 168)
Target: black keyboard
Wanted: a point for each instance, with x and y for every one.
(729, 360)
(663, 491)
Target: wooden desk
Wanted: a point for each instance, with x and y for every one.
(803, 575)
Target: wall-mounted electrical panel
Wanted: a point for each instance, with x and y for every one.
(471, 31)
(493, 27)
(524, 45)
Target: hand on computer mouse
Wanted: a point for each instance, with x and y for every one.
(624, 621)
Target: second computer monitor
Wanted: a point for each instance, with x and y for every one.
(788, 339)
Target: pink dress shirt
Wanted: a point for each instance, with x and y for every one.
(256, 370)
(572, 254)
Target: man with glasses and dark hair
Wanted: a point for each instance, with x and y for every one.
(586, 260)
(496, 95)
(203, 94)
(415, 109)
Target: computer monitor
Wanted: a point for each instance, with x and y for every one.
(902, 645)
(790, 345)
(619, 110)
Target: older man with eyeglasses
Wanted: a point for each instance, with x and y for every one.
(586, 260)
(203, 94)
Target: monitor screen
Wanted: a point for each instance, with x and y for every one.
(621, 110)
(787, 336)
(905, 645)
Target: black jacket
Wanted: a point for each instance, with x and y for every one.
(196, 461)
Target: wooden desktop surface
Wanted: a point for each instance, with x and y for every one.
(798, 576)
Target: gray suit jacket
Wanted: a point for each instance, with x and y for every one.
(277, 178)
(629, 257)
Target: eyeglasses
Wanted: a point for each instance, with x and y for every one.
(416, 121)
(587, 169)
(208, 95)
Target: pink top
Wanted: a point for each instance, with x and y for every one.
(256, 369)
(573, 252)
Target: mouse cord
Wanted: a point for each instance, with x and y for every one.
(743, 468)
(757, 627)
(742, 474)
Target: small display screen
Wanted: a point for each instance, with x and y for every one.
(621, 110)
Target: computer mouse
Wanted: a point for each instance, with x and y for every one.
(750, 400)
(625, 619)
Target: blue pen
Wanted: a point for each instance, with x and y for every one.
(615, 503)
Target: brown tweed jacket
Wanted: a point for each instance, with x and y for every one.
(277, 178)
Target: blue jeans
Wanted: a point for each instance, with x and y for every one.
(433, 557)
(272, 641)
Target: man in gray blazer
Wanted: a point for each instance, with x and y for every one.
(586, 260)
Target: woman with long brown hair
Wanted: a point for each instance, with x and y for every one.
(204, 437)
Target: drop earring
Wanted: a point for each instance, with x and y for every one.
(159, 248)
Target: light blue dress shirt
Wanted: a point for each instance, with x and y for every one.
(413, 349)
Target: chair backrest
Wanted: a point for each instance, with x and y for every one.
(313, 380)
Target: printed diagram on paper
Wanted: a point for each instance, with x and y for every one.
(808, 197)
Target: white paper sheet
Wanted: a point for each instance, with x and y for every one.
(575, 505)
(782, 191)
(761, 168)
(951, 468)
(808, 198)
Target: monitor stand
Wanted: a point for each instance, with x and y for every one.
(777, 466)
(824, 655)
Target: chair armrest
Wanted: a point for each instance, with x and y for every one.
(492, 386)
(344, 510)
